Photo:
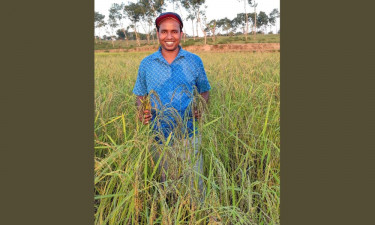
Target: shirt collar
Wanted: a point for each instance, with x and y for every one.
(181, 53)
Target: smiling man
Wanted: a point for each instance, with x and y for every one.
(169, 77)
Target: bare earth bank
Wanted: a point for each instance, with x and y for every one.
(250, 47)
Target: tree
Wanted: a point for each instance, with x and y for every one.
(121, 34)
(272, 17)
(172, 1)
(178, 6)
(202, 19)
(99, 22)
(105, 37)
(262, 20)
(149, 9)
(246, 18)
(225, 24)
(254, 18)
(113, 19)
(134, 12)
(193, 7)
(239, 20)
(212, 27)
(219, 25)
(116, 12)
(192, 18)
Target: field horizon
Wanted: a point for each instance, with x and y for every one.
(219, 40)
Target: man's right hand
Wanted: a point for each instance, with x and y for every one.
(145, 117)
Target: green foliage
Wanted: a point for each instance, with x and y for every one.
(251, 17)
(239, 20)
(134, 11)
(238, 39)
(151, 8)
(262, 19)
(225, 24)
(99, 20)
(194, 4)
(223, 41)
(188, 43)
(273, 15)
(115, 11)
(115, 15)
(121, 34)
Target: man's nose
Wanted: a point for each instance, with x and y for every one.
(169, 34)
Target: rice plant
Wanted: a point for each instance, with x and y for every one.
(240, 133)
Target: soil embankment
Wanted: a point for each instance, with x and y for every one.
(250, 47)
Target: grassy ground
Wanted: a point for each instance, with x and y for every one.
(260, 38)
(240, 143)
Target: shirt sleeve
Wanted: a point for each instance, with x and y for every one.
(202, 82)
(140, 87)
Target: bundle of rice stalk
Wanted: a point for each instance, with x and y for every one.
(146, 104)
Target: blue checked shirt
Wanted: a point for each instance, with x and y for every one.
(174, 84)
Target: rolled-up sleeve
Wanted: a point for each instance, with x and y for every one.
(140, 87)
(202, 82)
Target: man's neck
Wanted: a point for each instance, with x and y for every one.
(170, 55)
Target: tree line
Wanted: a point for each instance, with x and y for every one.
(125, 20)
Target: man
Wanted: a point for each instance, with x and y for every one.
(168, 78)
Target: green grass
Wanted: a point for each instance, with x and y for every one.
(240, 143)
(260, 38)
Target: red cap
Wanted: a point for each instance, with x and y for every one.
(167, 15)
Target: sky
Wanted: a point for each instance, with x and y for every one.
(216, 9)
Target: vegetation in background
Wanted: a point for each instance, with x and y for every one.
(240, 143)
(236, 39)
(142, 14)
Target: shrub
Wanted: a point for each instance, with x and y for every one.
(187, 43)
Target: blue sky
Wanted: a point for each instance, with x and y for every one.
(216, 9)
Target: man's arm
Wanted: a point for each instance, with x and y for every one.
(206, 96)
(202, 84)
(143, 114)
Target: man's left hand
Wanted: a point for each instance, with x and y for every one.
(197, 114)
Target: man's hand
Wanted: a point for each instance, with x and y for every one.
(197, 114)
(146, 117)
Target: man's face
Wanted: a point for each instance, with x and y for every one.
(169, 35)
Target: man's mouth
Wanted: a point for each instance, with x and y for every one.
(169, 42)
